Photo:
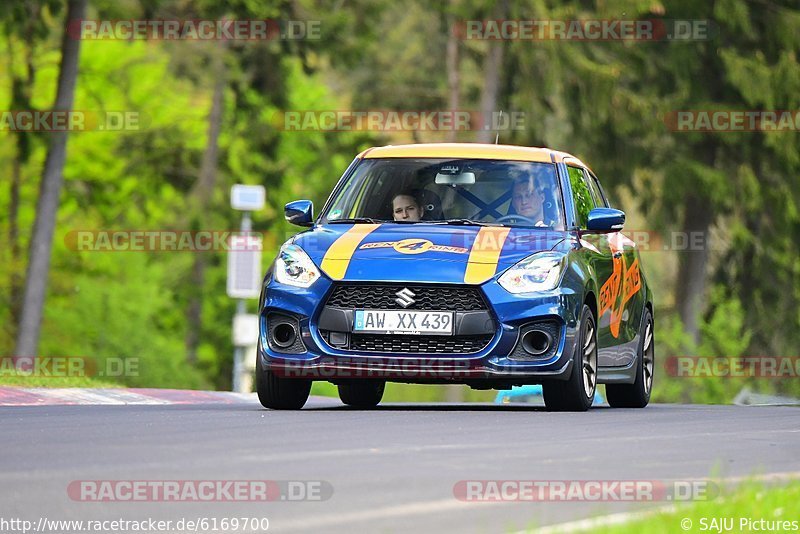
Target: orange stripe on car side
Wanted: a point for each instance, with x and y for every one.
(338, 256)
(485, 254)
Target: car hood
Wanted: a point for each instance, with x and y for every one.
(421, 252)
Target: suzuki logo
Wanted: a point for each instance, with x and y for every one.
(405, 297)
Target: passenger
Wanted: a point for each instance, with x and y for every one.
(405, 207)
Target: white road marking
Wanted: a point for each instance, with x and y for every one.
(85, 396)
(16, 396)
(286, 457)
(400, 510)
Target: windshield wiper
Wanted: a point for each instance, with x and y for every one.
(355, 220)
(469, 222)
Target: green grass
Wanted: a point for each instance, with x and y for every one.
(324, 389)
(749, 500)
(55, 382)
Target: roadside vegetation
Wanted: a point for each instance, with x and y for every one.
(751, 502)
(733, 295)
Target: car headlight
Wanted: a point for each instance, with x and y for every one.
(293, 267)
(539, 272)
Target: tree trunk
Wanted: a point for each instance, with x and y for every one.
(698, 216)
(21, 90)
(15, 280)
(201, 196)
(194, 310)
(692, 279)
(47, 206)
(204, 188)
(453, 73)
(491, 80)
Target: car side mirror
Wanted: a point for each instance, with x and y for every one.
(605, 220)
(299, 212)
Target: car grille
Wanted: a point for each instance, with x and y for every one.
(444, 298)
(411, 344)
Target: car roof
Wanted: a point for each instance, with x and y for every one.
(471, 151)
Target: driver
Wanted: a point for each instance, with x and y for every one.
(405, 207)
(528, 199)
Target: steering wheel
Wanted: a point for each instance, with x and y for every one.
(515, 217)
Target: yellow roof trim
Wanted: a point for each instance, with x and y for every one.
(463, 150)
(572, 160)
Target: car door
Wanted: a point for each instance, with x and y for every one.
(597, 255)
(620, 298)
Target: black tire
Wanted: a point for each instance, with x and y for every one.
(571, 395)
(637, 395)
(281, 393)
(362, 393)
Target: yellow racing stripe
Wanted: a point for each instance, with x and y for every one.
(338, 256)
(485, 254)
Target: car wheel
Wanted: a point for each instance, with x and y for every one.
(362, 393)
(281, 393)
(577, 393)
(637, 395)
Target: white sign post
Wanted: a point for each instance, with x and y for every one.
(245, 330)
(247, 197)
(244, 281)
(244, 266)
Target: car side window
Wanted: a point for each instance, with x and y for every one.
(597, 194)
(581, 196)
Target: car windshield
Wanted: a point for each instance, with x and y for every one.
(450, 191)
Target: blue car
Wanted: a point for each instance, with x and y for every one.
(487, 265)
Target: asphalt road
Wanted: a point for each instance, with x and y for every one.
(392, 469)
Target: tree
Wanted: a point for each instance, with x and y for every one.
(201, 197)
(25, 28)
(453, 63)
(47, 207)
(492, 69)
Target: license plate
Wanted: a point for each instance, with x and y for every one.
(403, 322)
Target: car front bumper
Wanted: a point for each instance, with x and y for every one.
(498, 361)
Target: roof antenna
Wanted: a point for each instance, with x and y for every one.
(500, 119)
